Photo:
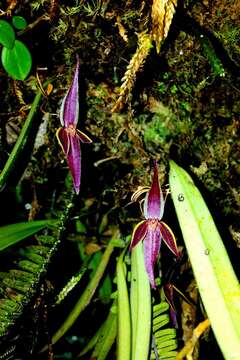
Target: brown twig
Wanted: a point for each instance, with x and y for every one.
(197, 332)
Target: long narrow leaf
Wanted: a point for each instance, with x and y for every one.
(13, 233)
(124, 320)
(85, 297)
(108, 336)
(140, 305)
(217, 283)
(100, 337)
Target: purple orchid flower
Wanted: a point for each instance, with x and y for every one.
(68, 135)
(152, 230)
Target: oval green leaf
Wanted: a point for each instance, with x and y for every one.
(216, 280)
(13, 233)
(17, 61)
(19, 22)
(7, 34)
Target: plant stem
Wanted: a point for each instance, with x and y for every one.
(21, 141)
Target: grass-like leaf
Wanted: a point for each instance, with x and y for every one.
(13, 233)
(104, 338)
(124, 319)
(140, 299)
(216, 280)
(107, 336)
(85, 297)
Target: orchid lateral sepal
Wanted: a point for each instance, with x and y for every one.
(139, 233)
(169, 238)
(82, 137)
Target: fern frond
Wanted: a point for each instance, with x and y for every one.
(164, 343)
(19, 284)
(136, 63)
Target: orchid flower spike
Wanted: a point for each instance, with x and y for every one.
(68, 135)
(152, 230)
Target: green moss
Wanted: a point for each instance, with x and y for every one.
(156, 131)
(209, 52)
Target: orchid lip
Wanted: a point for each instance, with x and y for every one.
(69, 140)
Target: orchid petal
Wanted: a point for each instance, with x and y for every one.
(69, 111)
(139, 233)
(169, 238)
(154, 201)
(63, 139)
(152, 243)
(74, 161)
(83, 137)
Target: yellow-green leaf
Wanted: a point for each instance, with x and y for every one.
(216, 280)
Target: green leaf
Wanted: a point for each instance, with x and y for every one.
(19, 22)
(216, 280)
(85, 296)
(141, 307)
(105, 290)
(13, 233)
(7, 34)
(107, 337)
(17, 61)
(124, 318)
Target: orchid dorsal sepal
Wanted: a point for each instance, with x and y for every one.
(69, 110)
(154, 200)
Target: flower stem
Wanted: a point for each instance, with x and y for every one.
(21, 141)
